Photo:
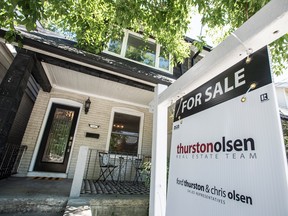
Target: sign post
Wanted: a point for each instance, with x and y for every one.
(227, 153)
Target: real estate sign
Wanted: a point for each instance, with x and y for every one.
(227, 153)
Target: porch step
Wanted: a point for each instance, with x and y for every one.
(33, 206)
(78, 206)
(121, 205)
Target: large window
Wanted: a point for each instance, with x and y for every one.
(115, 46)
(163, 62)
(133, 47)
(140, 51)
(125, 133)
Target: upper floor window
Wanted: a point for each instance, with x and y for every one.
(133, 47)
(115, 46)
(163, 62)
(138, 50)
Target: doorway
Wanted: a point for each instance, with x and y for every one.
(57, 139)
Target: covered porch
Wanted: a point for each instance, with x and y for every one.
(114, 173)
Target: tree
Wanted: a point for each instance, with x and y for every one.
(228, 15)
(93, 22)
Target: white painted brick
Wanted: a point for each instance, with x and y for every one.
(99, 113)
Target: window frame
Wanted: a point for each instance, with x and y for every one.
(126, 111)
(124, 48)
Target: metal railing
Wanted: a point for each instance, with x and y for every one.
(116, 173)
(10, 159)
(125, 167)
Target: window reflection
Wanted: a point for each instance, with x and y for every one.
(135, 48)
(141, 51)
(163, 61)
(115, 46)
(125, 134)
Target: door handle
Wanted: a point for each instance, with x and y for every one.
(69, 146)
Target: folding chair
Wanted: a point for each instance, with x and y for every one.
(138, 166)
(106, 169)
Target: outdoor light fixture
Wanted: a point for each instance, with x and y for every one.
(94, 126)
(252, 86)
(87, 105)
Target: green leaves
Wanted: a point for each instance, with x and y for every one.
(279, 51)
(228, 15)
(93, 22)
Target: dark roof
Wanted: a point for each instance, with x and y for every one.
(207, 47)
(50, 42)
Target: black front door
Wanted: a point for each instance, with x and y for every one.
(57, 139)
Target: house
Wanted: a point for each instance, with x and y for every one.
(18, 122)
(282, 97)
(78, 98)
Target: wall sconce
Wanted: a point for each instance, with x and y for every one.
(94, 126)
(87, 105)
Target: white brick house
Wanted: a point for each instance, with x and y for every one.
(119, 85)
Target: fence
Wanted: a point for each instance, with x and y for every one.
(10, 159)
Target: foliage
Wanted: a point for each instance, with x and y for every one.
(228, 15)
(93, 22)
(146, 172)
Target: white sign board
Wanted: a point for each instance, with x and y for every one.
(227, 153)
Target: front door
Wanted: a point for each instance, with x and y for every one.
(57, 139)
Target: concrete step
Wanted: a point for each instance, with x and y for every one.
(33, 214)
(33, 206)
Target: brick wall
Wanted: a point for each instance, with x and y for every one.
(99, 113)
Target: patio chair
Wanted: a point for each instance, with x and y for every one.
(138, 167)
(106, 168)
(121, 163)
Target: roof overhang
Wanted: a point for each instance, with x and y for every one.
(61, 66)
(82, 83)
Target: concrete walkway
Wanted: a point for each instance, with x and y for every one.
(28, 196)
(34, 196)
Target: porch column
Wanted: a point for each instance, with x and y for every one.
(157, 204)
(12, 89)
(79, 172)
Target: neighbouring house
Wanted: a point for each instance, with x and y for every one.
(56, 98)
(282, 97)
(15, 120)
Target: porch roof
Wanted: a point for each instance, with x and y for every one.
(50, 44)
(60, 65)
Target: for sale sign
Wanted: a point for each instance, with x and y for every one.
(227, 153)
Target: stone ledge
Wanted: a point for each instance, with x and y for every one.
(18, 205)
